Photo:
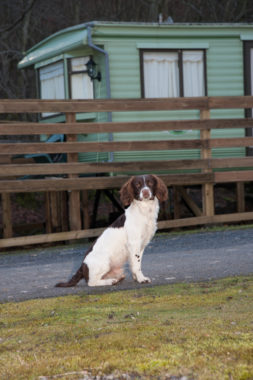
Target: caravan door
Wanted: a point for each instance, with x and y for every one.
(248, 83)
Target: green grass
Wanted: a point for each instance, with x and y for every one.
(200, 330)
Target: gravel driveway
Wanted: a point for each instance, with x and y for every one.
(168, 258)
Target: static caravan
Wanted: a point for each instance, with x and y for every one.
(145, 60)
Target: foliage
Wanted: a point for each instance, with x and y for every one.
(31, 201)
(203, 331)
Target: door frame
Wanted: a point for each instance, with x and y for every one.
(248, 71)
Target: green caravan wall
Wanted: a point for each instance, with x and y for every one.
(224, 63)
(224, 78)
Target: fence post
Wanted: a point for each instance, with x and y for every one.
(240, 197)
(85, 204)
(48, 213)
(7, 221)
(74, 195)
(206, 153)
(177, 199)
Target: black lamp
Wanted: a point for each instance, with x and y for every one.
(91, 70)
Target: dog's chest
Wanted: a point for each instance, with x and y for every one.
(142, 219)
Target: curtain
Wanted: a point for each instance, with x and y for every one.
(81, 84)
(193, 73)
(52, 81)
(161, 75)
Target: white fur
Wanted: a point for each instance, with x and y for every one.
(116, 246)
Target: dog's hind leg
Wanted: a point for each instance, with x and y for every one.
(109, 277)
(116, 272)
(103, 282)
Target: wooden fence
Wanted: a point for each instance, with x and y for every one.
(206, 171)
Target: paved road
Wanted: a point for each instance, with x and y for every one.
(169, 258)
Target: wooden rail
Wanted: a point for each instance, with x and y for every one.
(76, 177)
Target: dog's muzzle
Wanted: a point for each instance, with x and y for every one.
(145, 194)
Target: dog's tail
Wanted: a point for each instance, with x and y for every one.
(82, 272)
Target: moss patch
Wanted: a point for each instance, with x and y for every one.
(200, 330)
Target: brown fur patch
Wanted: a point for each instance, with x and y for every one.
(119, 222)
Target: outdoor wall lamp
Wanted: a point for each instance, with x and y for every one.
(92, 71)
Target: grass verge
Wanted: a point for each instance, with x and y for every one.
(203, 331)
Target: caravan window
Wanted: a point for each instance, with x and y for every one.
(81, 86)
(51, 79)
(170, 74)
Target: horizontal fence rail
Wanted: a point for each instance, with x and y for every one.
(121, 105)
(119, 146)
(140, 126)
(11, 170)
(20, 174)
(60, 184)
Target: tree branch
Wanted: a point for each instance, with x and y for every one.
(19, 20)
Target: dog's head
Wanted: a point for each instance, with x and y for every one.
(143, 188)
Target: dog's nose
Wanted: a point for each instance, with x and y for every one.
(146, 193)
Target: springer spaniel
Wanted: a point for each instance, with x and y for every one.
(126, 238)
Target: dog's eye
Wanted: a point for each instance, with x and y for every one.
(138, 185)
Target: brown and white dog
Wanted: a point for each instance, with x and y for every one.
(126, 239)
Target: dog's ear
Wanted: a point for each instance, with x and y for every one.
(161, 191)
(127, 193)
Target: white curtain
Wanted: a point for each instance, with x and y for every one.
(81, 84)
(52, 81)
(161, 75)
(193, 73)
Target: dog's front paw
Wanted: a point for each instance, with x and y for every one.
(142, 279)
(145, 280)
